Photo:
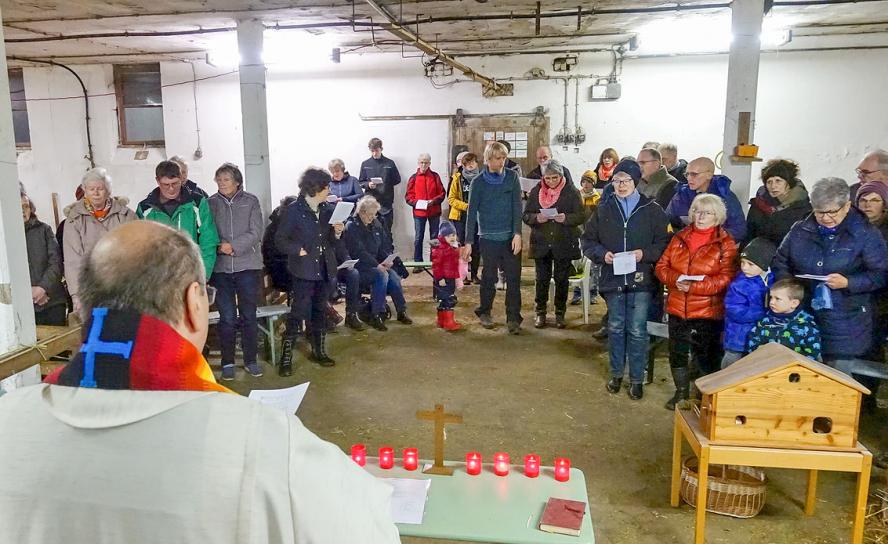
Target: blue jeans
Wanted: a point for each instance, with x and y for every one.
(237, 293)
(351, 279)
(386, 283)
(419, 224)
(627, 333)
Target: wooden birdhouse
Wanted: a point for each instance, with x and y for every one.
(775, 397)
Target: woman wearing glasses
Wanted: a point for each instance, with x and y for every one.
(839, 244)
(697, 268)
(779, 202)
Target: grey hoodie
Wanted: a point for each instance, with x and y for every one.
(239, 222)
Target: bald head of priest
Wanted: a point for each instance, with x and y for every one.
(134, 437)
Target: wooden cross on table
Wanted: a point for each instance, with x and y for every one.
(440, 419)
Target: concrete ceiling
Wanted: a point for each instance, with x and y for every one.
(185, 29)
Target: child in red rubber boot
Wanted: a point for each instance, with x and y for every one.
(445, 269)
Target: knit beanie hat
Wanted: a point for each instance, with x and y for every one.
(873, 187)
(631, 167)
(553, 167)
(589, 176)
(760, 251)
(781, 168)
(446, 229)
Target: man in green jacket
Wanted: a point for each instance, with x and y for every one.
(178, 207)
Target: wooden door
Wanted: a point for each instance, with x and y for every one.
(525, 133)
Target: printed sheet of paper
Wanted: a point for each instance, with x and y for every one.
(683, 277)
(332, 199)
(287, 399)
(624, 263)
(811, 277)
(527, 184)
(549, 212)
(408, 499)
(422, 204)
(378, 182)
(390, 260)
(342, 212)
(347, 265)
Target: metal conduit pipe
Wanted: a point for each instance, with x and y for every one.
(89, 154)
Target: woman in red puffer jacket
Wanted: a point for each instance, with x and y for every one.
(696, 305)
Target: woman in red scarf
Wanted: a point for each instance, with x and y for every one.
(554, 213)
(697, 268)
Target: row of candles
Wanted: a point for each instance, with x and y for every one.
(501, 462)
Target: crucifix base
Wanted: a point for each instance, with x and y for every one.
(439, 470)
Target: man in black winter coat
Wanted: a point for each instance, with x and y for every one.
(381, 167)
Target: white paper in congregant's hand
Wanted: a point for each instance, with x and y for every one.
(549, 212)
(390, 260)
(408, 499)
(527, 184)
(349, 264)
(342, 212)
(287, 399)
(691, 278)
(814, 277)
(332, 199)
(624, 263)
(422, 204)
(377, 183)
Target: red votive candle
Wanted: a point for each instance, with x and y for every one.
(501, 464)
(473, 463)
(386, 457)
(562, 469)
(531, 465)
(411, 458)
(359, 454)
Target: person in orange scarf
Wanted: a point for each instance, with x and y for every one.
(135, 437)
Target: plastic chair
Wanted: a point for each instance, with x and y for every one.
(583, 280)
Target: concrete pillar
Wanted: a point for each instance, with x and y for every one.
(743, 70)
(16, 310)
(254, 113)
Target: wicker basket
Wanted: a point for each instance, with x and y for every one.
(733, 490)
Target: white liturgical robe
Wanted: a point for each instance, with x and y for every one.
(87, 466)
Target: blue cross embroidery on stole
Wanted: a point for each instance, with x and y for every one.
(94, 345)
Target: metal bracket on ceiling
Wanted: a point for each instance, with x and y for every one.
(579, 17)
(538, 12)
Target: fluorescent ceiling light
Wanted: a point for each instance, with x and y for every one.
(281, 49)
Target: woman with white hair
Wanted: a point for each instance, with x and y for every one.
(344, 187)
(697, 267)
(87, 220)
(425, 193)
(839, 243)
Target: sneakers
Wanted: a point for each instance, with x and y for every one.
(486, 321)
(228, 373)
(514, 327)
(253, 369)
(353, 322)
(636, 391)
(539, 321)
(613, 385)
(403, 318)
(285, 366)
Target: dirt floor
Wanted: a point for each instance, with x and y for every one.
(541, 392)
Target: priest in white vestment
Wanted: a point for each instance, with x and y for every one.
(134, 441)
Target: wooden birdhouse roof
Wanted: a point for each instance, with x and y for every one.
(765, 360)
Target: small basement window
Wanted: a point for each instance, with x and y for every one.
(794, 377)
(740, 420)
(822, 425)
(139, 104)
(20, 124)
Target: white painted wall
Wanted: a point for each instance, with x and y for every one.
(824, 109)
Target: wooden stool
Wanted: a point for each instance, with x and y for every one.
(687, 427)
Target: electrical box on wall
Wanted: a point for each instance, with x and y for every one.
(605, 91)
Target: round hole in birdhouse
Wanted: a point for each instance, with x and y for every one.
(740, 420)
(822, 425)
(794, 377)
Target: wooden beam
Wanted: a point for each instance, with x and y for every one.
(51, 341)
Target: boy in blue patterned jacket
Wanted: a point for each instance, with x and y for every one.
(787, 323)
(746, 299)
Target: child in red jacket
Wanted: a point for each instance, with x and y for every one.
(445, 270)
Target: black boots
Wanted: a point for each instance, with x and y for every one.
(539, 321)
(681, 377)
(319, 349)
(636, 391)
(613, 385)
(378, 323)
(403, 318)
(285, 366)
(353, 322)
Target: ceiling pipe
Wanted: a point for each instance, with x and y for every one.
(489, 87)
(89, 155)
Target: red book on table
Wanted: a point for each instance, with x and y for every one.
(563, 516)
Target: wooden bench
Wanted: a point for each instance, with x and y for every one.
(425, 266)
(270, 315)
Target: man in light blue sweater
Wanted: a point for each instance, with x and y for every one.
(495, 204)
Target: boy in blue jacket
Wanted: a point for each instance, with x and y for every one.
(746, 297)
(787, 323)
